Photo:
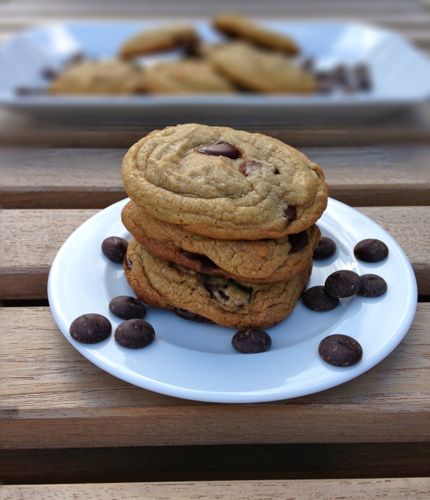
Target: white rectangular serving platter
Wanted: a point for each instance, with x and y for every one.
(400, 75)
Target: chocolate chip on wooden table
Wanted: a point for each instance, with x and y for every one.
(325, 249)
(251, 340)
(250, 166)
(290, 213)
(127, 307)
(134, 334)
(342, 284)
(317, 299)
(115, 248)
(298, 241)
(182, 313)
(340, 350)
(90, 328)
(372, 285)
(371, 250)
(220, 148)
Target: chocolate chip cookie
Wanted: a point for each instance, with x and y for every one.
(158, 40)
(239, 27)
(259, 70)
(224, 301)
(183, 77)
(253, 261)
(98, 77)
(224, 183)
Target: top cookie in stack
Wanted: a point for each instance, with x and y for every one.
(223, 222)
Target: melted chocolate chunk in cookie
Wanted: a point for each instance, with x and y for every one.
(371, 250)
(290, 214)
(251, 341)
(298, 241)
(220, 148)
(134, 334)
(90, 328)
(182, 313)
(206, 262)
(340, 350)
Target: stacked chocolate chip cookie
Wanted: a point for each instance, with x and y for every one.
(223, 223)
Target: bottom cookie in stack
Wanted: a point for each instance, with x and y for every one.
(222, 300)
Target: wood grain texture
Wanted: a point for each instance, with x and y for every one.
(54, 398)
(90, 178)
(31, 238)
(359, 489)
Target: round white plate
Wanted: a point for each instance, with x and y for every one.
(197, 361)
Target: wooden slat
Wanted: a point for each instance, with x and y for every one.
(31, 238)
(54, 398)
(90, 178)
(392, 488)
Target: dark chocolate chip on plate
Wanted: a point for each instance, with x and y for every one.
(90, 328)
(220, 148)
(126, 307)
(325, 249)
(317, 299)
(372, 285)
(251, 341)
(340, 350)
(343, 284)
(115, 248)
(290, 213)
(371, 250)
(134, 334)
(298, 241)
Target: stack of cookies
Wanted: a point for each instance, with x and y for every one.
(223, 223)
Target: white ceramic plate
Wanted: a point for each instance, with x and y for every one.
(400, 75)
(197, 361)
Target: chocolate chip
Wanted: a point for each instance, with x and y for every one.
(182, 313)
(115, 248)
(205, 261)
(371, 250)
(90, 328)
(134, 334)
(298, 241)
(250, 166)
(372, 285)
(340, 350)
(325, 82)
(290, 214)
(325, 249)
(48, 73)
(343, 284)
(340, 74)
(126, 307)
(220, 148)
(317, 299)
(362, 76)
(251, 340)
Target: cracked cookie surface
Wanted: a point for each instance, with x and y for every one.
(254, 261)
(223, 301)
(224, 183)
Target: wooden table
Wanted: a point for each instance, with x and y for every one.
(65, 421)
